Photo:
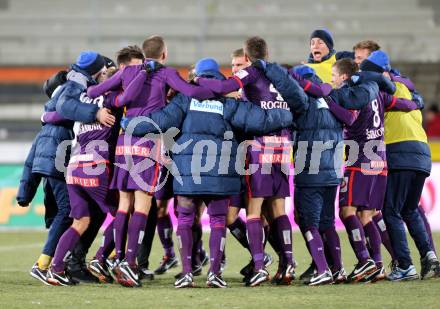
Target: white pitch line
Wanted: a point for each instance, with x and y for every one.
(20, 247)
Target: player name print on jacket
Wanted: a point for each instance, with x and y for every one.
(277, 100)
(208, 106)
(375, 133)
(278, 103)
(79, 127)
(85, 99)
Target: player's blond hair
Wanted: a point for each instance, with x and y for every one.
(367, 44)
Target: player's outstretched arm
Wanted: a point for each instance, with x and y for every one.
(312, 88)
(345, 116)
(355, 97)
(398, 104)
(113, 83)
(170, 116)
(54, 118)
(69, 106)
(403, 80)
(221, 86)
(385, 84)
(132, 91)
(175, 81)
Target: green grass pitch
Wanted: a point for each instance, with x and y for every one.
(19, 250)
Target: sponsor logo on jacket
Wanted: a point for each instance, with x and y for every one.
(208, 106)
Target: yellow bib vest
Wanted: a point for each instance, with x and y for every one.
(324, 72)
(402, 126)
(324, 69)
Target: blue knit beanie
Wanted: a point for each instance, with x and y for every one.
(90, 61)
(208, 67)
(206, 64)
(378, 61)
(324, 35)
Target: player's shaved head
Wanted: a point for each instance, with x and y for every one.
(154, 47)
